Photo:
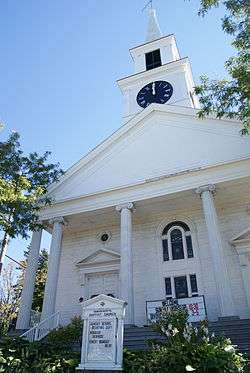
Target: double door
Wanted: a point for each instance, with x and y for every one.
(102, 283)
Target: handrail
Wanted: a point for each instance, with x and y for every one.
(39, 331)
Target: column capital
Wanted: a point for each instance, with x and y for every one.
(129, 206)
(58, 219)
(206, 188)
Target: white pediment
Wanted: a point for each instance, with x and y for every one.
(103, 301)
(162, 140)
(101, 256)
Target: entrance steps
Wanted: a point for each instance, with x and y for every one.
(16, 332)
(137, 338)
(238, 330)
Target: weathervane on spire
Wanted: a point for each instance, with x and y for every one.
(148, 5)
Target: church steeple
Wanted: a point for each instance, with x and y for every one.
(153, 31)
(161, 76)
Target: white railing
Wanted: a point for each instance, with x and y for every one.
(42, 329)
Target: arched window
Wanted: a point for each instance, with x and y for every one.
(177, 241)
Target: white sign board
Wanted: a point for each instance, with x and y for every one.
(195, 306)
(101, 336)
(102, 341)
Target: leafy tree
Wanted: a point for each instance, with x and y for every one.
(11, 287)
(23, 185)
(41, 276)
(230, 97)
(9, 299)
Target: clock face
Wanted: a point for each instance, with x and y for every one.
(158, 92)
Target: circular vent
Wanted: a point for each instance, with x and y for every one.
(104, 237)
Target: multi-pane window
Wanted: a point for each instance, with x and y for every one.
(168, 287)
(181, 286)
(153, 59)
(193, 284)
(177, 241)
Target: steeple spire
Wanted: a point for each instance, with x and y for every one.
(154, 31)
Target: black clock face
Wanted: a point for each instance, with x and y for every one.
(158, 92)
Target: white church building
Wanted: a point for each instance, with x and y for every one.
(159, 210)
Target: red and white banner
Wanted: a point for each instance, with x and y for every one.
(195, 306)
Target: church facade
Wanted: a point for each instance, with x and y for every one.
(159, 210)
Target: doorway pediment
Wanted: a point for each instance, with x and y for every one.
(242, 237)
(99, 257)
(241, 242)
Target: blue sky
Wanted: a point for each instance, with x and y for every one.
(60, 61)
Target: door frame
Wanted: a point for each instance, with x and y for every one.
(101, 261)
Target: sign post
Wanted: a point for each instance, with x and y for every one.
(102, 339)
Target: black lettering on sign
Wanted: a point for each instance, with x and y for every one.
(110, 314)
(106, 322)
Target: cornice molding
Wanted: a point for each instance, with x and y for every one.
(149, 74)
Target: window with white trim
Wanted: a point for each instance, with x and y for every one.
(177, 241)
(181, 286)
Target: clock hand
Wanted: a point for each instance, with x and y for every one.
(153, 89)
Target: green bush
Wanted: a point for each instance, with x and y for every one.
(67, 334)
(20, 356)
(187, 349)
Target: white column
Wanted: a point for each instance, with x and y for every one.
(126, 264)
(218, 256)
(23, 319)
(53, 269)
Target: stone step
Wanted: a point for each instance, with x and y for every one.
(16, 332)
(241, 322)
(236, 329)
(143, 338)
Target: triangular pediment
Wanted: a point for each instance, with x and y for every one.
(102, 300)
(161, 140)
(99, 257)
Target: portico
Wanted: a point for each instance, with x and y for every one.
(122, 251)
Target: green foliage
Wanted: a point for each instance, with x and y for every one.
(175, 319)
(41, 276)
(230, 97)
(187, 349)
(67, 334)
(23, 186)
(9, 299)
(19, 356)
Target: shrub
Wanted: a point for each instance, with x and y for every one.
(67, 334)
(187, 349)
(19, 356)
